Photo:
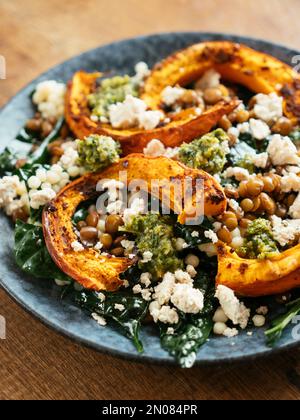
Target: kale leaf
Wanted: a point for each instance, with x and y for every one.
(128, 320)
(7, 162)
(279, 324)
(192, 331)
(31, 254)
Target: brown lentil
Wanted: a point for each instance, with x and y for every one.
(267, 203)
(254, 186)
(225, 123)
(244, 223)
(231, 192)
(92, 219)
(268, 184)
(283, 126)
(19, 214)
(212, 95)
(290, 200)
(242, 116)
(81, 224)
(88, 233)
(34, 124)
(224, 235)
(46, 128)
(118, 240)
(243, 189)
(92, 208)
(247, 204)
(256, 204)
(106, 240)
(20, 163)
(112, 223)
(281, 210)
(117, 252)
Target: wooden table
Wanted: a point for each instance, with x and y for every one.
(37, 362)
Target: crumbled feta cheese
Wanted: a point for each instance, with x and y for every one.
(127, 245)
(133, 113)
(146, 294)
(262, 310)
(163, 291)
(234, 205)
(99, 319)
(119, 307)
(137, 289)
(170, 95)
(13, 194)
(39, 198)
(49, 96)
(195, 234)
(137, 207)
(282, 151)
(210, 234)
(98, 246)
(77, 246)
(290, 182)
(156, 148)
(145, 279)
(210, 79)
(141, 72)
(235, 310)
(183, 277)
(190, 269)
(180, 244)
(259, 321)
(164, 314)
(125, 284)
(101, 296)
(285, 231)
(259, 129)
(240, 174)
(187, 299)
(147, 256)
(268, 107)
(69, 160)
(230, 332)
(170, 331)
(217, 226)
(260, 160)
(294, 210)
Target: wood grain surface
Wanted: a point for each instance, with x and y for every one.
(37, 363)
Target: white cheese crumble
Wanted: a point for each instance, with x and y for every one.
(49, 96)
(119, 307)
(210, 79)
(268, 107)
(164, 314)
(147, 256)
(259, 129)
(183, 277)
(210, 234)
(101, 296)
(282, 151)
(77, 246)
(294, 210)
(133, 113)
(259, 321)
(220, 316)
(262, 310)
(137, 207)
(290, 182)
(240, 174)
(260, 160)
(163, 291)
(145, 279)
(235, 310)
(180, 244)
(285, 231)
(170, 95)
(39, 198)
(141, 72)
(156, 148)
(13, 194)
(99, 319)
(230, 332)
(187, 299)
(69, 160)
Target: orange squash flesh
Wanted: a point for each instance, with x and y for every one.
(259, 72)
(253, 277)
(87, 267)
(185, 127)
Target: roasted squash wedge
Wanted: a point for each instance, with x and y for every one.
(253, 277)
(87, 267)
(186, 126)
(259, 72)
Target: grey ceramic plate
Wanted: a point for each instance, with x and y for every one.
(41, 298)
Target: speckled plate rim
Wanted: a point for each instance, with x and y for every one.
(226, 351)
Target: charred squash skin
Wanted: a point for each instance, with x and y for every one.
(259, 72)
(87, 267)
(253, 278)
(185, 127)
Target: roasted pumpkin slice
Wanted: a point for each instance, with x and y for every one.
(89, 268)
(185, 127)
(253, 277)
(259, 72)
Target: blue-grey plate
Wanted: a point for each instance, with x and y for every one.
(40, 297)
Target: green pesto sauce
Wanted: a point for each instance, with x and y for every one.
(155, 233)
(259, 242)
(207, 153)
(111, 91)
(97, 152)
